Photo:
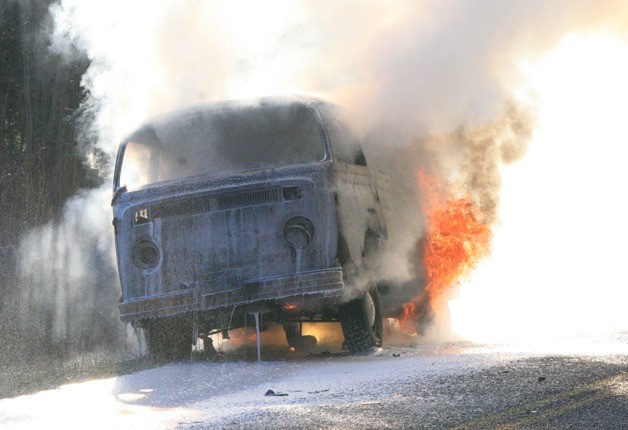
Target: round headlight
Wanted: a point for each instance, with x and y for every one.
(298, 232)
(145, 254)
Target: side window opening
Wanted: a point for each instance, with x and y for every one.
(345, 146)
(360, 159)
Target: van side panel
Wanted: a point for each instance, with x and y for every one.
(358, 211)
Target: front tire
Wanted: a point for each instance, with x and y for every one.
(169, 339)
(362, 323)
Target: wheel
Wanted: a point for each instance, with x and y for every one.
(362, 323)
(169, 339)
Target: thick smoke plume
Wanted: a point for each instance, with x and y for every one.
(429, 84)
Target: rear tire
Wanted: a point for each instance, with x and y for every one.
(362, 323)
(169, 339)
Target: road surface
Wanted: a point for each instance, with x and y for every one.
(575, 383)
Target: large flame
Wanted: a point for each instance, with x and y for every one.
(456, 240)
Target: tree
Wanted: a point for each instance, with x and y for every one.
(41, 165)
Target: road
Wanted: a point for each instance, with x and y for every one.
(573, 383)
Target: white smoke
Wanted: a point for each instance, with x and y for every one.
(424, 67)
(68, 278)
(557, 265)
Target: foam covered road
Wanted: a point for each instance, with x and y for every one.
(567, 384)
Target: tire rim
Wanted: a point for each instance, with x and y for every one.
(369, 309)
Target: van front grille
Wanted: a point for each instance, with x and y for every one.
(210, 203)
(248, 198)
(187, 207)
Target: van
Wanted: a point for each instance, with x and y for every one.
(236, 208)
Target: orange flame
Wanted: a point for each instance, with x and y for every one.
(456, 240)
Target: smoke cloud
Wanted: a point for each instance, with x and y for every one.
(429, 84)
(555, 267)
(69, 282)
(405, 70)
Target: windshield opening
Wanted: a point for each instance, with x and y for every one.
(219, 143)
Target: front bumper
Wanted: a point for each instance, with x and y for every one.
(323, 283)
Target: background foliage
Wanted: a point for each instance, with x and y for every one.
(42, 164)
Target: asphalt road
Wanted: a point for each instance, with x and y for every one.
(567, 384)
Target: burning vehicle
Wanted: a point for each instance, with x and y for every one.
(238, 208)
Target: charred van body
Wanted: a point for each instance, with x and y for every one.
(234, 208)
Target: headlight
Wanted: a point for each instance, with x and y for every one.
(145, 254)
(298, 232)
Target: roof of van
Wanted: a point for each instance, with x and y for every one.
(232, 104)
